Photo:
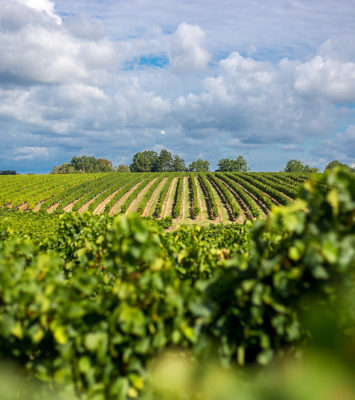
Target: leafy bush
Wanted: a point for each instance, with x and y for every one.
(95, 303)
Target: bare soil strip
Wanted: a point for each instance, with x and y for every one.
(101, 206)
(70, 206)
(201, 201)
(52, 207)
(37, 207)
(23, 207)
(223, 200)
(115, 208)
(132, 207)
(85, 206)
(168, 201)
(185, 201)
(149, 207)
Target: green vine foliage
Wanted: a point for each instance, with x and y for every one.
(92, 305)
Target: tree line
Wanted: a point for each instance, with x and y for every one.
(151, 161)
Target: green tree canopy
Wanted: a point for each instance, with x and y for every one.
(237, 165)
(178, 164)
(151, 161)
(84, 164)
(144, 161)
(307, 168)
(164, 162)
(199, 166)
(336, 163)
(123, 168)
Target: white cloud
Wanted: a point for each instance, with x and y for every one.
(46, 6)
(31, 153)
(256, 102)
(340, 147)
(326, 77)
(186, 51)
(68, 86)
(49, 52)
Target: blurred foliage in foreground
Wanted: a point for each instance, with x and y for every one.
(92, 306)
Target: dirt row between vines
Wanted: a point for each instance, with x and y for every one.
(116, 206)
(85, 206)
(132, 207)
(149, 207)
(168, 202)
(102, 205)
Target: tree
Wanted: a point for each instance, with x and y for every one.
(336, 163)
(199, 166)
(241, 164)
(178, 164)
(307, 168)
(294, 166)
(164, 162)
(8, 172)
(123, 168)
(144, 161)
(228, 165)
(84, 164)
(104, 165)
(65, 168)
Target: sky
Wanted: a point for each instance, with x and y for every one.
(271, 80)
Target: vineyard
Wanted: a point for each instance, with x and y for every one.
(186, 198)
(90, 303)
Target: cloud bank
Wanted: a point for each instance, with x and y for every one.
(69, 85)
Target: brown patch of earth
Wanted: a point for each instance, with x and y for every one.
(69, 207)
(147, 211)
(136, 201)
(23, 207)
(115, 208)
(52, 207)
(85, 206)
(101, 206)
(168, 204)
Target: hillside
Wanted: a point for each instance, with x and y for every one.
(186, 197)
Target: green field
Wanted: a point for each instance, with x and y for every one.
(91, 301)
(187, 198)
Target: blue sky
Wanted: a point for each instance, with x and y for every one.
(270, 80)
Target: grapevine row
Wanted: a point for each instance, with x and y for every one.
(209, 196)
(248, 201)
(226, 193)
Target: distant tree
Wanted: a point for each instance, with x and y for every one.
(103, 165)
(65, 168)
(307, 168)
(8, 172)
(178, 164)
(144, 161)
(123, 168)
(228, 165)
(199, 166)
(242, 164)
(164, 162)
(297, 166)
(294, 166)
(84, 164)
(336, 163)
